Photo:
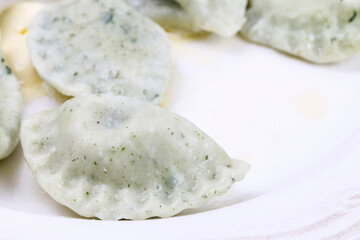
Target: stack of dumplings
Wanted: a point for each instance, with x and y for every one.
(111, 152)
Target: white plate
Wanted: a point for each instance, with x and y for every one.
(297, 124)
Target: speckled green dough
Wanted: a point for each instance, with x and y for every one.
(224, 17)
(168, 13)
(321, 31)
(91, 46)
(11, 107)
(115, 157)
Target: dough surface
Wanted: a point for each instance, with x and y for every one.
(118, 158)
(321, 31)
(87, 46)
(11, 107)
(224, 17)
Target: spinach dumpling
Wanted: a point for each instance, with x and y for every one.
(321, 31)
(168, 13)
(11, 106)
(224, 18)
(82, 47)
(114, 157)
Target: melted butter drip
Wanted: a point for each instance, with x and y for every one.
(13, 24)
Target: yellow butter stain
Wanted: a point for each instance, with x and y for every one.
(172, 91)
(311, 105)
(183, 47)
(13, 23)
(24, 31)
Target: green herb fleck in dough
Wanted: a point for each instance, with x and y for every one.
(353, 17)
(8, 70)
(108, 18)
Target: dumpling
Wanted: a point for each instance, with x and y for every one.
(168, 13)
(11, 106)
(114, 157)
(82, 47)
(224, 18)
(321, 31)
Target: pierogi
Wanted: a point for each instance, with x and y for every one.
(11, 107)
(105, 47)
(169, 14)
(321, 31)
(114, 157)
(224, 18)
